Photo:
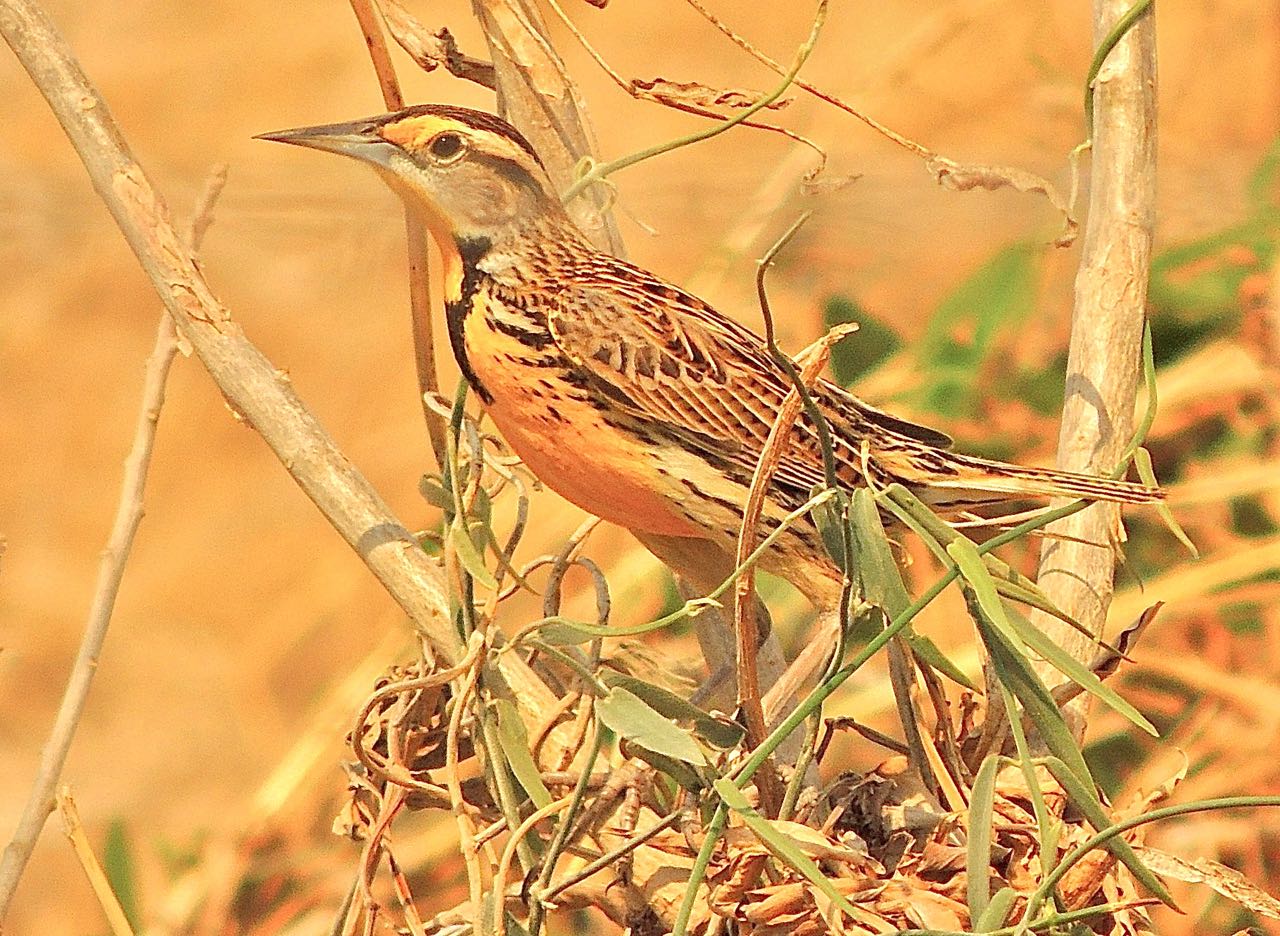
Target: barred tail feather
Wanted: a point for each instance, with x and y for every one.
(975, 481)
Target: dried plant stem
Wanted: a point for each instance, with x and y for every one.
(744, 624)
(509, 853)
(107, 899)
(537, 95)
(129, 511)
(636, 91)
(1107, 322)
(601, 171)
(772, 63)
(424, 348)
(466, 826)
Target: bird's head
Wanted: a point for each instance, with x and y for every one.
(476, 178)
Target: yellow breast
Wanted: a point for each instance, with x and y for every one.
(566, 442)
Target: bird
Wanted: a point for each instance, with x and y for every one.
(627, 395)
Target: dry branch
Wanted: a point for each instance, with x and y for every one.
(415, 231)
(129, 511)
(947, 172)
(431, 50)
(1106, 327)
(536, 94)
(256, 390)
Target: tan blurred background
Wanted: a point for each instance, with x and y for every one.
(241, 611)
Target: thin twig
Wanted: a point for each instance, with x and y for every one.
(107, 899)
(639, 92)
(466, 827)
(601, 171)
(560, 840)
(609, 857)
(415, 231)
(129, 511)
(955, 175)
(744, 625)
(509, 852)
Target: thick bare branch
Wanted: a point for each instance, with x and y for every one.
(257, 391)
(1107, 323)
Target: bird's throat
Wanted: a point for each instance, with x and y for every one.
(462, 280)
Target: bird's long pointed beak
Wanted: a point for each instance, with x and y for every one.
(358, 139)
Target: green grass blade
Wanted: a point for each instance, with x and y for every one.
(1076, 671)
(997, 911)
(882, 583)
(1014, 672)
(927, 652)
(978, 853)
(1142, 461)
(515, 747)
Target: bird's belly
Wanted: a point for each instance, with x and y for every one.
(566, 442)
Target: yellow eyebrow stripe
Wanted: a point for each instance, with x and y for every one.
(415, 131)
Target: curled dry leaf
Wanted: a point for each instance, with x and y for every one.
(431, 50)
(962, 177)
(1228, 882)
(696, 94)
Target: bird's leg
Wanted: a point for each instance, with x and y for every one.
(701, 566)
(812, 656)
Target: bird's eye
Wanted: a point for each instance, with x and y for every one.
(445, 147)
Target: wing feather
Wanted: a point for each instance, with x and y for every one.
(673, 360)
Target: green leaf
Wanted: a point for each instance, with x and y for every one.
(859, 354)
(722, 733)
(464, 548)
(680, 772)
(634, 719)
(515, 746)
(1086, 800)
(433, 491)
(1018, 630)
(782, 847)
(881, 581)
(1009, 662)
(926, 651)
(563, 632)
(963, 330)
(118, 865)
(1028, 593)
(830, 524)
(1142, 461)
(997, 911)
(978, 854)
(1013, 671)
(1076, 671)
(971, 567)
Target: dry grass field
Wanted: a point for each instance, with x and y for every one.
(247, 632)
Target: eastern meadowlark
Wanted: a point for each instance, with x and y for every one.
(627, 395)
